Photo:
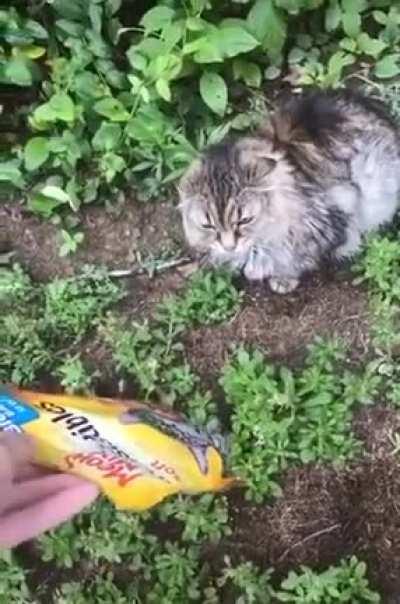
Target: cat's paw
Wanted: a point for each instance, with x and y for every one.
(254, 272)
(282, 285)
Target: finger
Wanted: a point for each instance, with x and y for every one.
(25, 494)
(32, 470)
(45, 514)
(16, 450)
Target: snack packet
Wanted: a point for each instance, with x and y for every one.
(136, 454)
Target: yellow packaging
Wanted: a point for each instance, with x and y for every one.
(136, 454)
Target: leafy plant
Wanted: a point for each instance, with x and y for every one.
(135, 104)
(203, 519)
(73, 375)
(346, 583)
(251, 585)
(72, 305)
(152, 352)
(70, 242)
(19, 50)
(13, 586)
(101, 588)
(23, 349)
(378, 267)
(209, 298)
(100, 534)
(280, 417)
(50, 320)
(175, 575)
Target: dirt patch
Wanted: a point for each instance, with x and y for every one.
(284, 326)
(112, 238)
(326, 514)
(325, 305)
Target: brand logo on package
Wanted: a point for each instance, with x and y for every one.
(13, 413)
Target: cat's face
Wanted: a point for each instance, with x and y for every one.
(225, 197)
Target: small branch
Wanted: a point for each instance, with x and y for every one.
(140, 269)
(324, 531)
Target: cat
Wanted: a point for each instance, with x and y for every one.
(303, 188)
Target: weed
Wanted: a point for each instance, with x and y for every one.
(205, 518)
(143, 351)
(175, 575)
(13, 587)
(23, 349)
(73, 376)
(72, 306)
(280, 417)
(379, 266)
(346, 583)
(70, 242)
(51, 318)
(15, 287)
(152, 352)
(262, 414)
(100, 534)
(251, 585)
(210, 297)
(100, 589)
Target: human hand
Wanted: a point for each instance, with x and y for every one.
(33, 499)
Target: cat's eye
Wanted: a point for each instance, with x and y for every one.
(244, 221)
(208, 226)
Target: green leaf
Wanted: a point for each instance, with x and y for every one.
(214, 92)
(247, 71)
(137, 60)
(70, 27)
(36, 152)
(107, 137)
(163, 89)
(55, 193)
(267, 25)
(30, 52)
(380, 17)
(354, 6)
(112, 108)
(351, 24)
(111, 164)
(62, 107)
(233, 41)
(17, 71)
(59, 107)
(333, 16)
(157, 18)
(336, 64)
(370, 46)
(10, 172)
(42, 205)
(204, 50)
(388, 67)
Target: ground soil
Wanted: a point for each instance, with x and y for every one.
(325, 513)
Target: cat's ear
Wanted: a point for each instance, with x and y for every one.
(189, 181)
(255, 160)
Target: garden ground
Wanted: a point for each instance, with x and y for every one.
(325, 513)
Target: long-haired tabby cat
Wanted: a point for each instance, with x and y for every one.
(324, 170)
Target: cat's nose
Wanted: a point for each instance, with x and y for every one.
(228, 241)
